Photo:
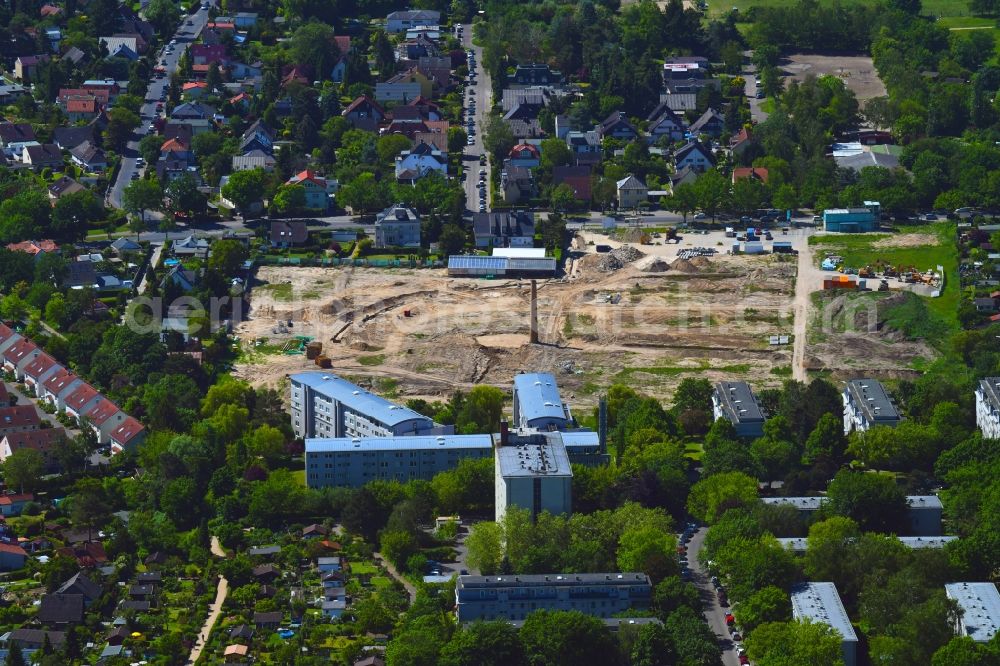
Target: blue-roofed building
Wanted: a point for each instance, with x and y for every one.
(852, 220)
(819, 602)
(537, 403)
(353, 462)
(980, 605)
(324, 405)
(473, 265)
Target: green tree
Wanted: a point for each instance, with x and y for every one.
(494, 643)
(964, 651)
(482, 410)
(555, 152)
(452, 239)
(457, 139)
(391, 145)
(183, 196)
(121, 124)
(364, 194)
(713, 496)
(566, 638)
(385, 57)
(562, 198)
(313, 43)
(826, 440)
(874, 501)
(485, 545)
(164, 15)
(787, 643)
(227, 257)
(142, 195)
(497, 137)
(768, 604)
(89, 506)
(244, 188)
(23, 468)
(712, 189)
(648, 550)
(73, 213)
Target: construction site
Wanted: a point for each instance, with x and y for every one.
(645, 317)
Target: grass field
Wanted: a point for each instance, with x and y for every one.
(858, 250)
(931, 7)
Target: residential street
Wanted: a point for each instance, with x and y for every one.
(757, 114)
(185, 35)
(715, 615)
(482, 95)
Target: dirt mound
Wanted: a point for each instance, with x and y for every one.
(652, 265)
(618, 258)
(685, 265)
(701, 262)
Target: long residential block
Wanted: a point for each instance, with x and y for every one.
(735, 402)
(988, 407)
(353, 462)
(326, 406)
(980, 604)
(819, 602)
(924, 513)
(867, 404)
(515, 597)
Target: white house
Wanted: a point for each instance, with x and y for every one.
(412, 165)
(404, 20)
(695, 155)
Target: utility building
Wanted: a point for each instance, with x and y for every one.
(819, 602)
(735, 402)
(852, 220)
(537, 403)
(867, 404)
(532, 472)
(515, 597)
(988, 407)
(980, 604)
(324, 405)
(353, 462)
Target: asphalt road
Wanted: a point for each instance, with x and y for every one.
(185, 35)
(715, 615)
(482, 93)
(757, 114)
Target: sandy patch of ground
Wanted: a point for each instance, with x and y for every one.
(905, 240)
(858, 72)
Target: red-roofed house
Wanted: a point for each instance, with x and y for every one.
(104, 417)
(241, 101)
(12, 503)
(40, 369)
(43, 440)
(577, 177)
(755, 173)
(49, 10)
(740, 141)
(19, 355)
(55, 389)
(35, 248)
(8, 337)
(128, 435)
(12, 557)
(102, 95)
(81, 400)
(194, 89)
(176, 148)
(82, 108)
(205, 54)
(297, 74)
(19, 418)
(317, 196)
(524, 155)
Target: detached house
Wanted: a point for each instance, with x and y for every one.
(694, 154)
(89, 156)
(710, 123)
(402, 21)
(25, 67)
(82, 107)
(397, 226)
(405, 86)
(506, 229)
(288, 233)
(617, 126)
(524, 155)
(665, 122)
(258, 137)
(317, 194)
(412, 165)
(40, 156)
(364, 113)
(631, 192)
(576, 177)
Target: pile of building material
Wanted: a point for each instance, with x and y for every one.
(618, 258)
(652, 264)
(691, 253)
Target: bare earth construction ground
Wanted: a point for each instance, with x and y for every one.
(709, 317)
(858, 72)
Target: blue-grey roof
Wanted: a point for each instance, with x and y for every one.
(820, 602)
(538, 396)
(980, 603)
(408, 443)
(357, 398)
(575, 438)
(871, 397)
(534, 460)
(800, 544)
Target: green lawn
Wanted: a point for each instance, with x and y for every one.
(931, 7)
(279, 292)
(858, 251)
(362, 568)
(373, 360)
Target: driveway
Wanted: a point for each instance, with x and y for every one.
(757, 114)
(482, 94)
(185, 35)
(715, 615)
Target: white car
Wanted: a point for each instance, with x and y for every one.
(470, 141)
